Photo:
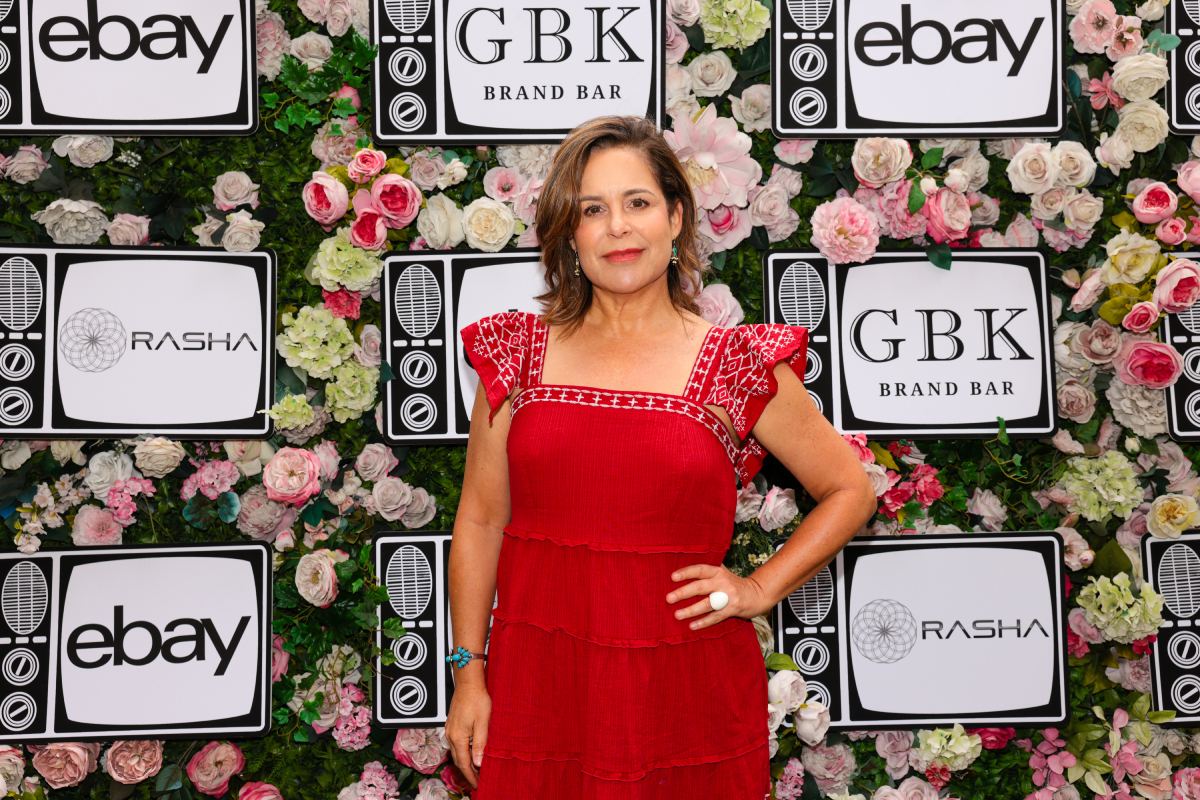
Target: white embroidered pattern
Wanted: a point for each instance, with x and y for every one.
(503, 340)
(744, 371)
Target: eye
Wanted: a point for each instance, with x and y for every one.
(592, 210)
(640, 202)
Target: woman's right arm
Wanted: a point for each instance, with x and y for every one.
(483, 511)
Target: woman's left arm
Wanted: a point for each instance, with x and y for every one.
(794, 431)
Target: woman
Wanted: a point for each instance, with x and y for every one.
(600, 489)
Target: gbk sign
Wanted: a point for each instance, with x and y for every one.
(136, 642)
(900, 348)
(917, 68)
(128, 67)
(511, 71)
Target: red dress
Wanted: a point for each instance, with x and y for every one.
(598, 692)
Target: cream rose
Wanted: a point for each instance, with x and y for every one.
(1075, 163)
(1140, 77)
(73, 221)
(712, 73)
(249, 456)
(788, 689)
(1172, 514)
(976, 166)
(392, 497)
(65, 450)
(1083, 211)
(488, 225)
(233, 189)
(1115, 152)
(158, 457)
(84, 151)
(1143, 123)
(316, 578)
(312, 49)
(877, 161)
(1033, 169)
(128, 230)
(375, 462)
(1049, 204)
(243, 234)
(1130, 258)
(441, 222)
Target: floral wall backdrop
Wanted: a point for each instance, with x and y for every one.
(1113, 202)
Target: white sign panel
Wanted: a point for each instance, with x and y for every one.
(917, 68)
(136, 642)
(1172, 568)
(876, 645)
(508, 72)
(105, 341)
(1183, 88)
(901, 348)
(128, 67)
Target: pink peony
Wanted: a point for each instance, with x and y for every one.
(994, 738)
(279, 659)
(1142, 362)
(212, 767)
(292, 476)
(890, 205)
(845, 231)
(257, 790)
(369, 229)
(423, 749)
(366, 164)
(1127, 38)
(272, 43)
(1155, 203)
(132, 762)
(325, 199)
(832, 766)
(725, 226)
(65, 764)
(397, 198)
(1171, 231)
(342, 304)
(1177, 285)
(948, 215)
(1141, 317)
(1187, 783)
(926, 486)
(716, 157)
(332, 148)
(95, 526)
(502, 184)
(1093, 27)
(794, 151)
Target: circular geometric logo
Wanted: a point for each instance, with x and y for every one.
(18, 711)
(808, 62)
(16, 406)
(92, 340)
(410, 651)
(884, 631)
(16, 362)
(808, 106)
(408, 695)
(406, 66)
(407, 111)
(20, 667)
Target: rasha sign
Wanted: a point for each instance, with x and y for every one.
(66, 66)
(917, 68)
(512, 72)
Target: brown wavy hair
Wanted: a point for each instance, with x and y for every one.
(558, 215)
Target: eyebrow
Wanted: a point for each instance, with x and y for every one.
(626, 193)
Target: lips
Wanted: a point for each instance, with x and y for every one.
(623, 255)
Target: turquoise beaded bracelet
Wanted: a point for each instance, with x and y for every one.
(460, 657)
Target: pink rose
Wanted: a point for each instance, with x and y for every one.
(994, 738)
(375, 462)
(369, 229)
(832, 766)
(676, 43)
(1154, 365)
(398, 198)
(1021, 232)
(1171, 231)
(890, 206)
(1189, 179)
(95, 526)
(133, 761)
(233, 189)
(366, 164)
(1127, 38)
(1089, 291)
(257, 790)
(330, 148)
(128, 230)
(1141, 317)
(263, 518)
(502, 183)
(454, 779)
(948, 215)
(423, 749)
(1177, 285)
(369, 349)
(348, 92)
(65, 764)
(325, 199)
(894, 747)
(794, 151)
(1187, 783)
(725, 226)
(316, 576)
(1155, 203)
(279, 659)
(1077, 621)
(326, 452)
(844, 231)
(212, 767)
(292, 476)
(719, 306)
(1093, 27)
(25, 165)
(342, 304)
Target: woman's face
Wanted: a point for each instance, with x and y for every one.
(625, 228)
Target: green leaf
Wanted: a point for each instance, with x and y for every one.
(385, 371)
(1095, 782)
(932, 158)
(756, 59)
(823, 186)
(717, 261)
(292, 73)
(1141, 707)
(1074, 86)
(1002, 433)
(758, 238)
(449, 155)
(847, 179)
(916, 197)
(780, 661)
(819, 165)
(1111, 560)
(1167, 42)
(1159, 717)
(169, 779)
(269, 99)
(282, 125)
(940, 255)
(695, 37)
(393, 628)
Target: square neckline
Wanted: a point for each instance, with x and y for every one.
(536, 380)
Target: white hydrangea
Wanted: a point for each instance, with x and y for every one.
(1102, 486)
(1110, 605)
(1138, 408)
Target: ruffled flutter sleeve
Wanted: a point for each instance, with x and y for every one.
(747, 380)
(498, 348)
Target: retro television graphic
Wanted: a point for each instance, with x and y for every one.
(1172, 568)
(858, 68)
(428, 297)
(415, 690)
(110, 342)
(901, 349)
(1183, 86)
(874, 642)
(1182, 331)
(66, 65)
(136, 642)
(452, 71)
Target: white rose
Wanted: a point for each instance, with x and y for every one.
(712, 73)
(679, 82)
(531, 160)
(879, 478)
(392, 497)
(1083, 211)
(683, 105)
(788, 689)
(488, 224)
(65, 450)
(1007, 148)
(812, 722)
(158, 457)
(877, 161)
(370, 348)
(683, 12)
(249, 456)
(753, 110)
(73, 221)
(126, 230)
(958, 181)
(1075, 162)
(1115, 152)
(976, 166)
(951, 148)
(1172, 514)
(243, 234)
(233, 189)
(316, 579)
(205, 230)
(14, 453)
(1151, 10)
(441, 222)
(456, 173)
(1049, 204)
(105, 469)
(338, 20)
(1033, 169)
(84, 151)
(1143, 123)
(778, 508)
(313, 50)
(420, 510)
(1140, 77)
(985, 211)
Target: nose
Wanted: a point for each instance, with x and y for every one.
(618, 223)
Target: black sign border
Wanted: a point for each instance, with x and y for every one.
(1149, 544)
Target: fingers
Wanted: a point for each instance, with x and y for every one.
(477, 744)
(695, 571)
(460, 751)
